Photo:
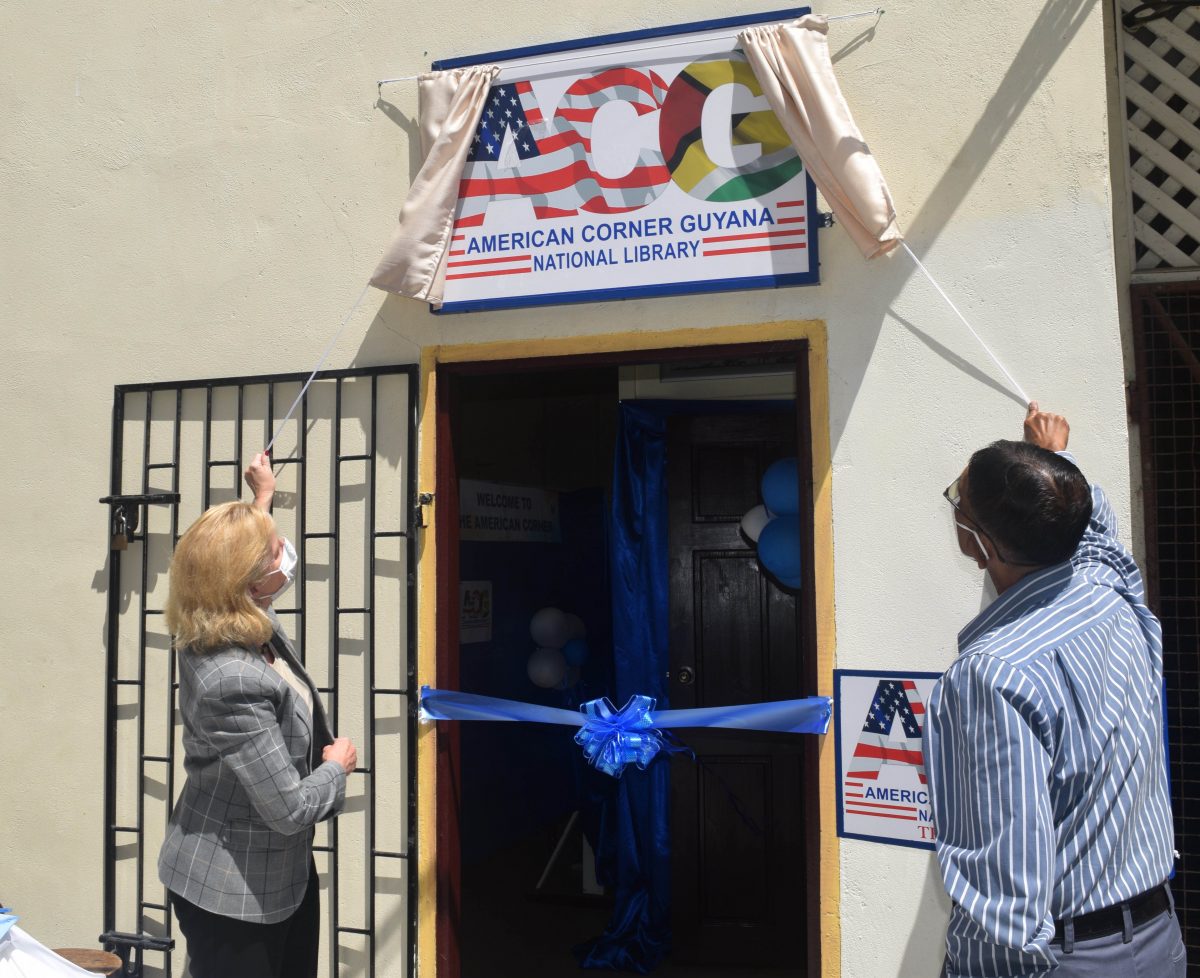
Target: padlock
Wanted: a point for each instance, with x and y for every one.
(120, 539)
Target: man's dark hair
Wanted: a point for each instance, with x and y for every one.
(1034, 503)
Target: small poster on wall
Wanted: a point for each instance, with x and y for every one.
(475, 620)
(879, 718)
(492, 512)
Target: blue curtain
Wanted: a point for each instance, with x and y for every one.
(635, 851)
(633, 847)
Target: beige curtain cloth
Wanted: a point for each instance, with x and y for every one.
(791, 62)
(449, 106)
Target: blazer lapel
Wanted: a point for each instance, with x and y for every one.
(322, 735)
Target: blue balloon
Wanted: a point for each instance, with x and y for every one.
(575, 652)
(781, 487)
(779, 550)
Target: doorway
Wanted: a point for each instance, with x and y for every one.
(525, 875)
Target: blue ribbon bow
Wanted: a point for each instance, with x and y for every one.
(612, 739)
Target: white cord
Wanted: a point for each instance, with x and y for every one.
(987, 349)
(320, 363)
(650, 47)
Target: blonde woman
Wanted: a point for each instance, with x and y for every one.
(262, 765)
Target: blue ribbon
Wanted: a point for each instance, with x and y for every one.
(612, 739)
(7, 919)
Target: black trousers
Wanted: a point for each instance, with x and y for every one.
(225, 947)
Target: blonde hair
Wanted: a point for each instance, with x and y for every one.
(209, 605)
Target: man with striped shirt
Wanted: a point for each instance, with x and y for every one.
(1044, 739)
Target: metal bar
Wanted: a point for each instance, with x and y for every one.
(284, 378)
(410, 623)
(336, 561)
(237, 442)
(372, 448)
(173, 683)
(207, 491)
(301, 524)
(140, 888)
(112, 627)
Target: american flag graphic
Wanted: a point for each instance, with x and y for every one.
(517, 153)
(894, 700)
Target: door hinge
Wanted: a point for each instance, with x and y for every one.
(423, 499)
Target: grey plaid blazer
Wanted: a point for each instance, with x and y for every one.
(240, 836)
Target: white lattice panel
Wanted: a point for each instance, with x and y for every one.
(1162, 109)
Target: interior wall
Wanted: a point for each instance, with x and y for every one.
(197, 190)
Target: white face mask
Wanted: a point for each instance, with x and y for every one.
(990, 593)
(288, 562)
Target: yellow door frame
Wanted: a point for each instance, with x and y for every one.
(812, 331)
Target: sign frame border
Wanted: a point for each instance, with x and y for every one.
(811, 277)
(837, 748)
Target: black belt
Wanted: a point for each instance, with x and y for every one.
(1111, 920)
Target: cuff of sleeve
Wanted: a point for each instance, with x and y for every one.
(338, 776)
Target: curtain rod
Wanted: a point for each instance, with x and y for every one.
(649, 47)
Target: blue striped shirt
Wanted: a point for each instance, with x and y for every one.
(1044, 751)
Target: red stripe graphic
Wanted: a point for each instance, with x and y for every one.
(743, 251)
(486, 261)
(882, 815)
(866, 775)
(758, 234)
(790, 220)
(879, 804)
(456, 253)
(790, 203)
(503, 271)
(527, 186)
(901, 754)
(606, 79)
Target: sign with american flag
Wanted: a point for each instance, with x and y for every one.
(882, 791)
(635, 164)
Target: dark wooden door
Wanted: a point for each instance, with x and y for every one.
(737, 818)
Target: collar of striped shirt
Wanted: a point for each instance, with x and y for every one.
(1032, 591)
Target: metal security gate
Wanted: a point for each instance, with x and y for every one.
(1166, 404)
(344, 467)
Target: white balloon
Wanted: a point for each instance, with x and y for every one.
(754, 521)
(548, 628)
(546, 668)
(575, 627)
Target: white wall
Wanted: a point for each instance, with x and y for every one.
(201, 189)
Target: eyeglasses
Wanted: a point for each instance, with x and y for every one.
(954, 498)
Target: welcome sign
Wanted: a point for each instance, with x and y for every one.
(636, 164)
